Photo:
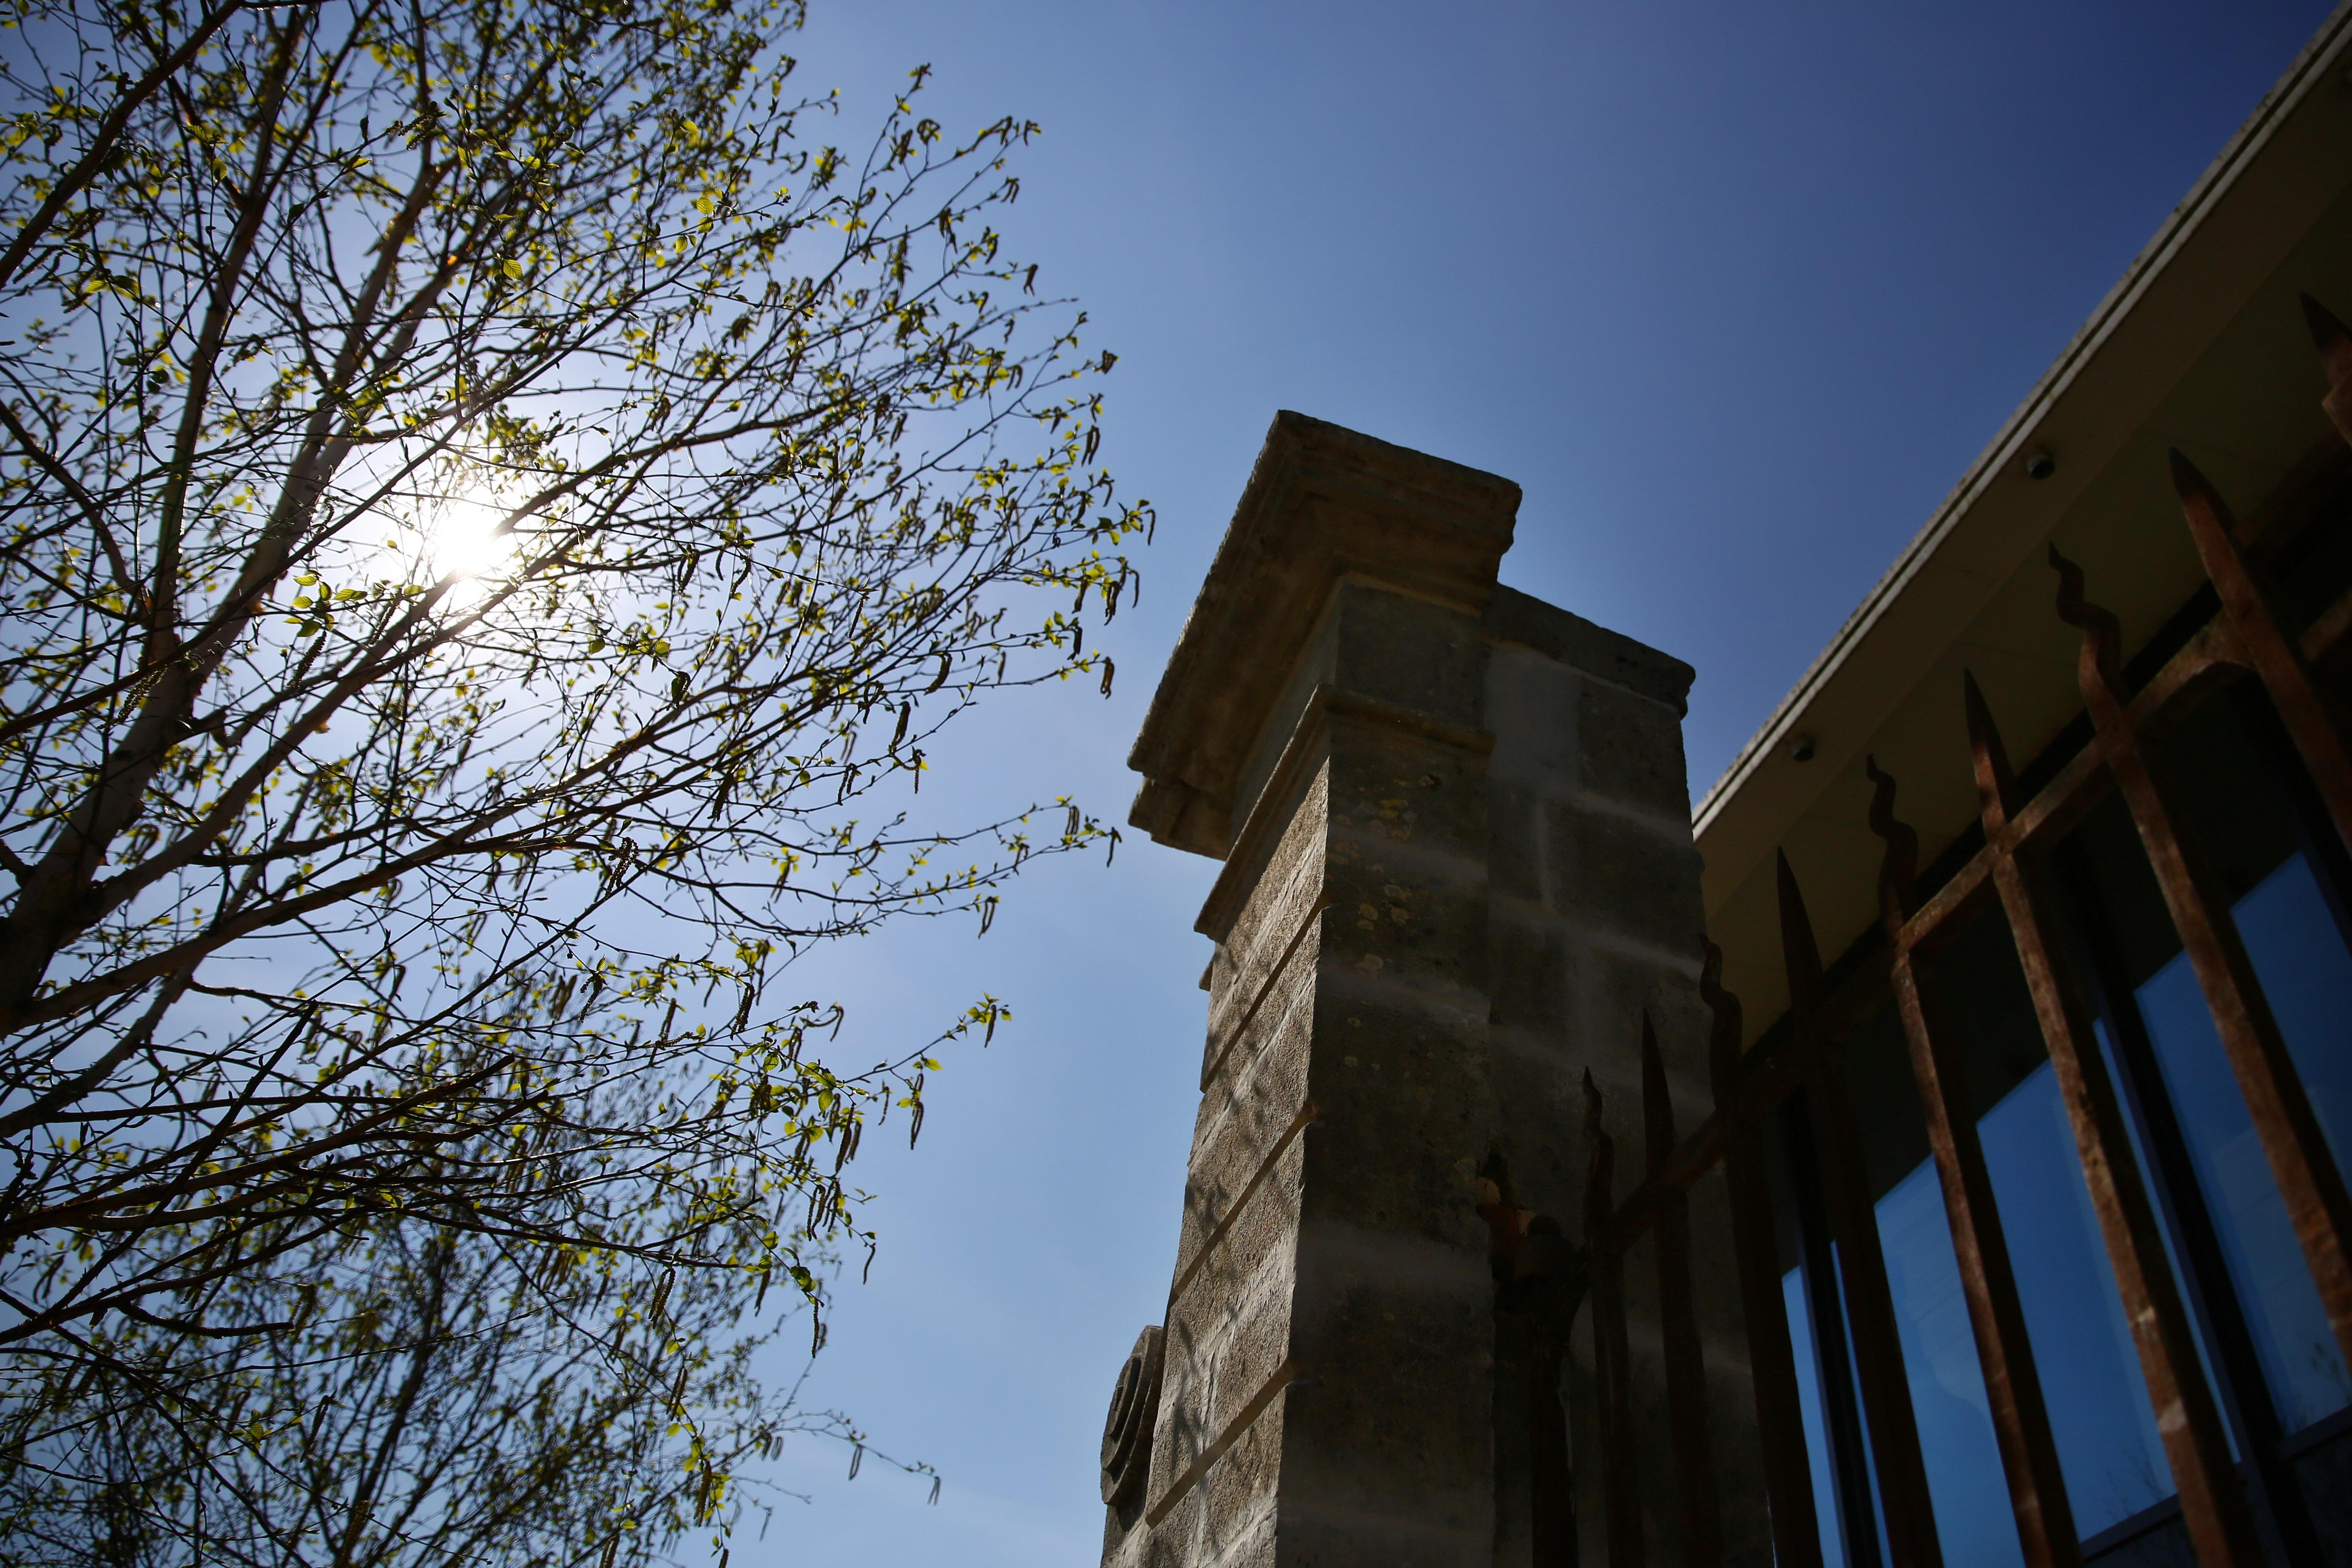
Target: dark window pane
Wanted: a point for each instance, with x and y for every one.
(2163, 1545)
(2324, 1470)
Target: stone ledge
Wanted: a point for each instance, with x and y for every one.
(1322, 503)
(1514, 616)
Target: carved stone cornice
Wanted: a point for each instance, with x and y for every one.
(1323, 503)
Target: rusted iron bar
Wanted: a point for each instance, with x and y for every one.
(2213, 1505)
(2334, 624)
(1698, 1519)
(2211, 654)
(1909, 1512)
(1767, 1077)
(2333, 342)
(1620, 1480)
(1748, 1088)
(2284, 1119)
(2225, 1341)
(1771, 1357)
(2297, 696)
(2021, 1418)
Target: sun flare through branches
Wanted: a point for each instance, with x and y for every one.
(499, 500)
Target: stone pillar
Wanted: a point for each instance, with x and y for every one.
(1458, 867)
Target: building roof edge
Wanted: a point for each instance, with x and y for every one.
(2326, 45)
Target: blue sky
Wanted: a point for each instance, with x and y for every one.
(1734, 293)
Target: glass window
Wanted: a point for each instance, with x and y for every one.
(2304, 969)
(2108, 1445)
(2220, 769)
(2228, 778)
(1973, 1518)
(2306, 975)
(1809, 1401)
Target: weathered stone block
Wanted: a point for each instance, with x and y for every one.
(1174, 1542)
(1531, 973)
(1406, 922)
(1319, 1538)
(1262, 1080)
(1624, 874)
(1397, 786)
(1531, 711)
(1546, 1154)
(1232, 1167)
(1515, 840)
(1282, 882)
(1260, 1227)
(1387, 1331)
(1401, 1102)
(1404, 650)
(1241, 1487)
(1595, 651)
(1629, 749)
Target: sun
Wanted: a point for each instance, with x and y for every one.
(463, 539)
(457, 538)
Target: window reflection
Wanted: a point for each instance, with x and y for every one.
(1973, 1518)
(2109, 1451)
(2188, 1128)
(2108, 1446)
(1809, 1402)
(2308, 978)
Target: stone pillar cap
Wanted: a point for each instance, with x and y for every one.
(1322, 503)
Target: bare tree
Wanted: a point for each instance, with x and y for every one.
(494, 508)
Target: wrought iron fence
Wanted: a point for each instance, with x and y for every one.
(2220, 1499)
